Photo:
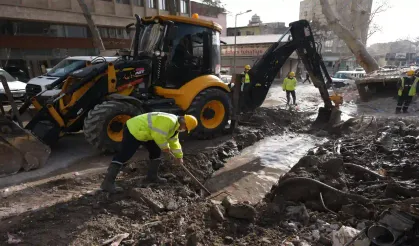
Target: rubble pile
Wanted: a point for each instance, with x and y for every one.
(352, 180)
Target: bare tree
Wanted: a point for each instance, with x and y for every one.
(352, 38)
(97, 40)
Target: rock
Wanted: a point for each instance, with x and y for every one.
(145, 194)
(357, 210)
(228, 240)
(228, 201)
(361, 225)
(343, 235)
(172, 205)
(385, 141)
(242, 211)
(266, 241)
(288, 244)
(216, 213)
(325, 241)
(321, 133)
(168, 176)
(409, 139)
(412, 131)
(315, 234)
(298, 213)
(334, 226)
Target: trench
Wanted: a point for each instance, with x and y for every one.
(251, 174)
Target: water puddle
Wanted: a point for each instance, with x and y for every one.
(249, 176)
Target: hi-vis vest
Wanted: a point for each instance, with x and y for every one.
(157, 126)
(289, 84)
(412, 91)
(246, 78)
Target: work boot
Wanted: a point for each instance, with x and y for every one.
(108, 183)
(153, 172)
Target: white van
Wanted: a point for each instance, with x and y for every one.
(60, 72)
(343, 78)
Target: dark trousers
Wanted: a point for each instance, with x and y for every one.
(307, 79)
(403, 103)
(130, 145)
(294, 99)
(243, 92)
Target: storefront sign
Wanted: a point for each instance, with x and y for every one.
(244, 50)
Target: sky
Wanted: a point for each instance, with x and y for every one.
(397, 22)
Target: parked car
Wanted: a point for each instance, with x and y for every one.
(16, 87)
(344, 78)
(18, 73)
(60, 72)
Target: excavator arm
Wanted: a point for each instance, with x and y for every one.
(263, 72)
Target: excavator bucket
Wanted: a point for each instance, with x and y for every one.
(19, 149)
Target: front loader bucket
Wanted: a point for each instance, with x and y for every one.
(19, 149)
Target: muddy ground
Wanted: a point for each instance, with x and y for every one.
(72, 211)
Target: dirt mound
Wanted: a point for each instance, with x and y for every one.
(352, 180)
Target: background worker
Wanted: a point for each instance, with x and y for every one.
(406, 90)
(289, 85)
(157, 132)
(307, 78)
(245, 85)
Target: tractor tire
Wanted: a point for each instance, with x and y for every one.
(103, 126)
(212, 108)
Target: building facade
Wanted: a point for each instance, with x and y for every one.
(248, 50)
(210, 13)
(257, 27)
(335, 53)
(35, 34)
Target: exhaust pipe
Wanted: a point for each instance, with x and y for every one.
(390, 228)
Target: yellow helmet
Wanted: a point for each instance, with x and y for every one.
(410, 73)
(247, 67)
(292, 74)
(190, 121)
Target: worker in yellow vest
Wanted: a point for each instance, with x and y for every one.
(406, 91)
(245, 85)
(155, 131)
(246, 79)
(289, 84)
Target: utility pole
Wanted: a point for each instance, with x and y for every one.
(97, 40)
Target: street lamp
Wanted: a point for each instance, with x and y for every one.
(235, 38)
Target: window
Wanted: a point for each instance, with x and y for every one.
(76, 31)
(250, 33)
(32, 28)
(56, 31)
(184, 6)
(138, 2)
(121, 33)
(163, 5)
(152, 4)
(123, 1)
(103, 32)
(112, 32)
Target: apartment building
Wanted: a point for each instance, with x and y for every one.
(35, 34)
(335, 52)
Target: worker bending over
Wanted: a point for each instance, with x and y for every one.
(289, 86)
(155, 131)
(406, 90)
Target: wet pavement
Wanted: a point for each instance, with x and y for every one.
(250, 175)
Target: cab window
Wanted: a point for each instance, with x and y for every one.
(190, 55)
